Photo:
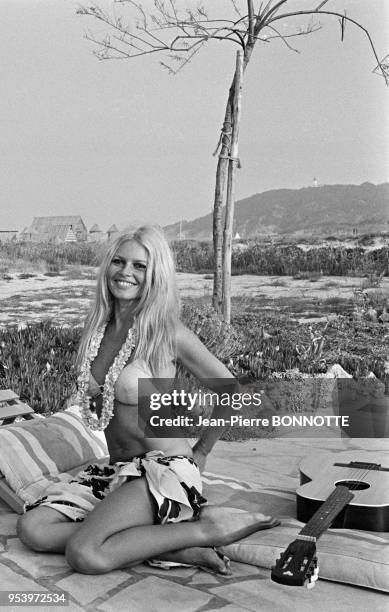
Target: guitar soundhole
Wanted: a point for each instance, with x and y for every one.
(353, 485)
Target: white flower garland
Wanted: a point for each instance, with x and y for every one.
(112, 375)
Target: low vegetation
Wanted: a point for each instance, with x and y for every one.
(287, 260)
(256, 258)
(27, 257)
(38, 360)
(262, 342)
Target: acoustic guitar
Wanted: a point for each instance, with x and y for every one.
(347, 490)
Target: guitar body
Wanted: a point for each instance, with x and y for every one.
(369, 508)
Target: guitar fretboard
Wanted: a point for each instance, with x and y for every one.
(327, 512)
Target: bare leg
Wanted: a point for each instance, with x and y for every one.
(121, 531)
(45, 530)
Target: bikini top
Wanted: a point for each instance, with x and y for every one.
(132, 372)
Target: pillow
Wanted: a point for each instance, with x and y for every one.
(355, 557)
(345, 555)
(35, 453)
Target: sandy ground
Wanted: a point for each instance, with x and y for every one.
(65, 298)
(195, 285)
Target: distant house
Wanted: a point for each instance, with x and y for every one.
(96, 235)
(56, 229)
(8, 235)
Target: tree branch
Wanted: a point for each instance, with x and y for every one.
(283, 37)
(267, 16)
(236, 9)
(250, 11)
(194, 25)
(384, 71)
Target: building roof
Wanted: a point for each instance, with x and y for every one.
(40, 222)
(94, 228)
(55, 227)
(113, 228)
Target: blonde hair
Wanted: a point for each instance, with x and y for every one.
(157, 311)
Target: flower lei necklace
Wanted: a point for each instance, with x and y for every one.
(112, 375)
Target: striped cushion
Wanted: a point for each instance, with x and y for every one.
(36, 453)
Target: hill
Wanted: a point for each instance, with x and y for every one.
(322, 211)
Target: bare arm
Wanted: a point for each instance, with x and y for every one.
(213, 373)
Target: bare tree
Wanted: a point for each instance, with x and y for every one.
(177, 32)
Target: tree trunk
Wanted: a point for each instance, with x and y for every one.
(232, 163)
(222, 165)
(225, 142)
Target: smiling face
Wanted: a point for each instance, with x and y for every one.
(126, 273)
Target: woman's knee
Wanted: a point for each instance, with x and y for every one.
(86, 558)
(32, 532)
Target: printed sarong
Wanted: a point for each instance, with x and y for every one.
(174, 482)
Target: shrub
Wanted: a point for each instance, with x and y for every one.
(217, 335)
(191, 256)
(53, 256)
(37, 362)
(285, 259)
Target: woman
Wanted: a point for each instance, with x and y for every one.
(152, 484)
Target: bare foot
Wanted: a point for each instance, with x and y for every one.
(221, 526)
(206, 558)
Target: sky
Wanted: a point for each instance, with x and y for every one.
(124, 142)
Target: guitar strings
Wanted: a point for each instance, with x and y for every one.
(355, 478)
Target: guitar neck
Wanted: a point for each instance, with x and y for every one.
(324, 516)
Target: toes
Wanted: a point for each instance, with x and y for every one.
(223, 563)
(225, 569)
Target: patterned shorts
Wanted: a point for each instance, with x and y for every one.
(174, 482)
